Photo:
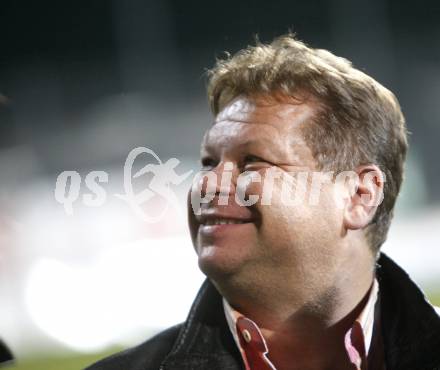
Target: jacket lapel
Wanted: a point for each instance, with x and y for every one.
(205, 341)
(410, 325)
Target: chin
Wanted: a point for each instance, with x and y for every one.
(217, 264)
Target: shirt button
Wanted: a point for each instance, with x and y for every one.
(246, 335)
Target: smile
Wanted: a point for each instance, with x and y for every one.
(222, 221)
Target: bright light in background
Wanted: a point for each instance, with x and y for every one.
(98, 278)
(135, 290)
(414, 242)
(142, 287)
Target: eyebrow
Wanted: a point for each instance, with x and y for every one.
(248, 143)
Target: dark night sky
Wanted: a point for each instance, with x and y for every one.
(57, 58)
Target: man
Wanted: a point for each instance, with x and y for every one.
(297, 284)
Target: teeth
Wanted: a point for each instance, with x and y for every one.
(222, 222)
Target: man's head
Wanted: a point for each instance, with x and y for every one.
(358, 121)
(288, 107)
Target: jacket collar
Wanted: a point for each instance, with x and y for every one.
(410, 328)
(5, 354)
(204, 341)
(410, 325)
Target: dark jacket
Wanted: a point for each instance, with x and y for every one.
(410, 332)
(5, 354)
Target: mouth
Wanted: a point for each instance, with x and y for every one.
(218, 225)
(223, 221)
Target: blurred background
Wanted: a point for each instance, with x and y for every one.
(83, 83)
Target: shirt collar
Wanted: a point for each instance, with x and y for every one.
(357, 339)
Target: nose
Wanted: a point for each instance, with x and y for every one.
(220, 181)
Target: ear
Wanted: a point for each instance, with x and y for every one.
(366, 197)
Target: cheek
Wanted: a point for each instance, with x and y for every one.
(192, 222)
(281, 220)
(298, 215)
(324, 226)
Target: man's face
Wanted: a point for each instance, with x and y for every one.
(263, 241)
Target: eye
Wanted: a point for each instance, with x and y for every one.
(251, 159)
(208, 163)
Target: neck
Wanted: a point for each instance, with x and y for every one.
(307, 333)
(310, 340)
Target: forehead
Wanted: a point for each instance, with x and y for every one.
(247, 121)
